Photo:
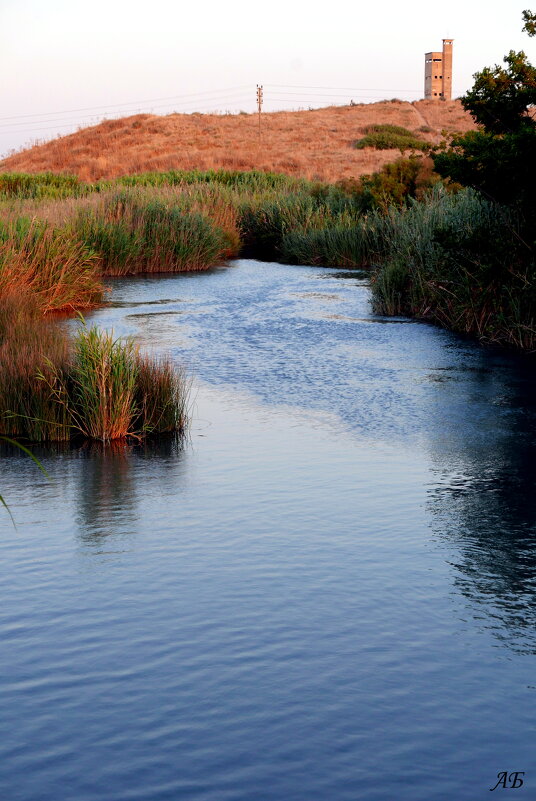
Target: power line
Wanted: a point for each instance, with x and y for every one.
(337, 88)
(38, 117)
(312, 97)
(232, 97)
(129, 103)
(197, 100)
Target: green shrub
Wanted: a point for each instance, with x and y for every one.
(459, 261)
(390, 137)
(394, 184)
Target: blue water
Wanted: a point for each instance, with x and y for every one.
(327, 594)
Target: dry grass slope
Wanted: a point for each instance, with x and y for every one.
(313, 144)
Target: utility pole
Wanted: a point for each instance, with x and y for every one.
(259, 106)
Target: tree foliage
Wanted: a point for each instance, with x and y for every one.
(530, 23)
(500, 98)
(499, 159)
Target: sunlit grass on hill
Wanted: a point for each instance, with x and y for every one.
(314, 144)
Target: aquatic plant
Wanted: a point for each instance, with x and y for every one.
(134, 233)
(31, 346)
(50, 263)
(111, 391)
(161, 396)
(102, 378)
(96, 387)
(459, 261)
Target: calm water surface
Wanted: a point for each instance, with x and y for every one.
(327, 595)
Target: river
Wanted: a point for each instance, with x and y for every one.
(327, 594)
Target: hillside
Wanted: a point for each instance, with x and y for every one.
(314, 144)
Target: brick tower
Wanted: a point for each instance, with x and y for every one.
(438, 73)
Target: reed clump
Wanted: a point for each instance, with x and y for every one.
(31, 346)
(137, 233)
(95, 387)
(349, 243)
(51, 264)
(462, 262)
(161, 396)
(114, 391)
(42, 185)
(265, 223)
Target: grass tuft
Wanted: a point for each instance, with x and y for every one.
(390, 137)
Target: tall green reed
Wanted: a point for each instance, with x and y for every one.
(134, 233)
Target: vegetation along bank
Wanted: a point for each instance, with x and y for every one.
(449, 237)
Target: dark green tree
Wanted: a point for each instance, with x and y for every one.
(500, 98)
(499, 159)
(530, 23)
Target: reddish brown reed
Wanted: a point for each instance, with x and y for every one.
(51, 264)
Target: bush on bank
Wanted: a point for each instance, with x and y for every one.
(459, 261)
(95, 387)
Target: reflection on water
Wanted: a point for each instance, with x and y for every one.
(322, 595)
(484, 500)
(107, 500)
(107, 494)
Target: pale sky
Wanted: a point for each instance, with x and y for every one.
(66, 64)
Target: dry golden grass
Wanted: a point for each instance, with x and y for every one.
(313, 144)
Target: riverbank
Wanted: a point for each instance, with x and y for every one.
(449, 257)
